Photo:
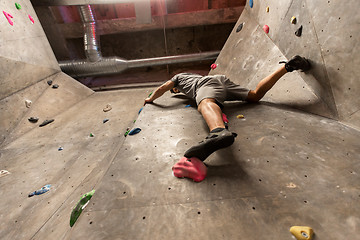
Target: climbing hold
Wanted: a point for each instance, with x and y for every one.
(134, 131)
(213, 66)
(251, 3)
(240, 116)
(192, 168)
(140, 110)
(83, 202)
(106, 120)
(224, 117)
(31, 19)
(299, 31)
(107, 108)
(150, 94)
(238, 29)
(302, 232)
(188, 106)
(267, 9)
(28, 103)
(33, 119)
(18, 6)
(49, 82)
(46, 122)
(3, 173)
(44, 189)
(8, 17)
(293, 20)
(92, 135)
(60, 148)
(266, 28)
(55, 86)
(127, 132)
(225, 120)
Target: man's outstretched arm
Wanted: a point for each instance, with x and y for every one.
(160, 91)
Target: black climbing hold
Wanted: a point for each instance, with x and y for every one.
(33, 119)
(46, 122)
(49, 82)
(134, 131)
(299, 31)
(55, 86)
(238, 29)
(105, 120)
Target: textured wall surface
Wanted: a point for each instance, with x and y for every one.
(286, 167)
(329, 40)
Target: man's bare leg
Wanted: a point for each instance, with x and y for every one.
(265, 85)
(219, 136)
(212, 113)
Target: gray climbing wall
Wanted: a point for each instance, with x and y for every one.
(27, 62)
(329, 39)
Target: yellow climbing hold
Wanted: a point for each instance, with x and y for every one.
(240, 116)
(293, 20)
(302, 232)
(267, 9)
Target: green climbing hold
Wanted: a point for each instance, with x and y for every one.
(18, 6)
(80, 206)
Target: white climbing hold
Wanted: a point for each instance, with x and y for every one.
(27, 103)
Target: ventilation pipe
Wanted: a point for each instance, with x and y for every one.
(96, 65)
(114, 65)
(91, 44)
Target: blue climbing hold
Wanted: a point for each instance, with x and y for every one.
(140, 110)
(44, 189)
(251, 3)
(188, 106)
(134, 131)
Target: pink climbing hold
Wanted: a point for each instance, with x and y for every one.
(266, 28)
(31, 19)
(213, 66)
(224, 117)
(8, 17)
(192, 168)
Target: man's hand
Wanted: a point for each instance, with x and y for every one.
(160, 91)
(147, 100)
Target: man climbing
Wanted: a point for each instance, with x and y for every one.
(210, 92)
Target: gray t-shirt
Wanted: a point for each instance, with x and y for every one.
(188, 83)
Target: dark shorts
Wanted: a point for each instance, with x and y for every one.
(222, 89)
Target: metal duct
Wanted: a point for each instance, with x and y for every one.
(91, 44)
(114, 65)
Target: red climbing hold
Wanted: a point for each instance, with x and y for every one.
(8, 17)
(31, 19)
(192, 168)
(213, 66)
(266, 28)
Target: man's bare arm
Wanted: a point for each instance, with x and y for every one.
(160, 91)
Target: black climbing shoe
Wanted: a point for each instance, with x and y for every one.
(212, 143)
(297, 63)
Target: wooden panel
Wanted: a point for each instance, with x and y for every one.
(209, 17)
(125, 10)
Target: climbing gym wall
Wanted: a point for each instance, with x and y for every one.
(327, 34)
(27, 65)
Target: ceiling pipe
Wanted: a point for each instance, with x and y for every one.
(115, 65)
(91, 43)
(96, 65)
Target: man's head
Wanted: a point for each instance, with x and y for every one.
(174, 90)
